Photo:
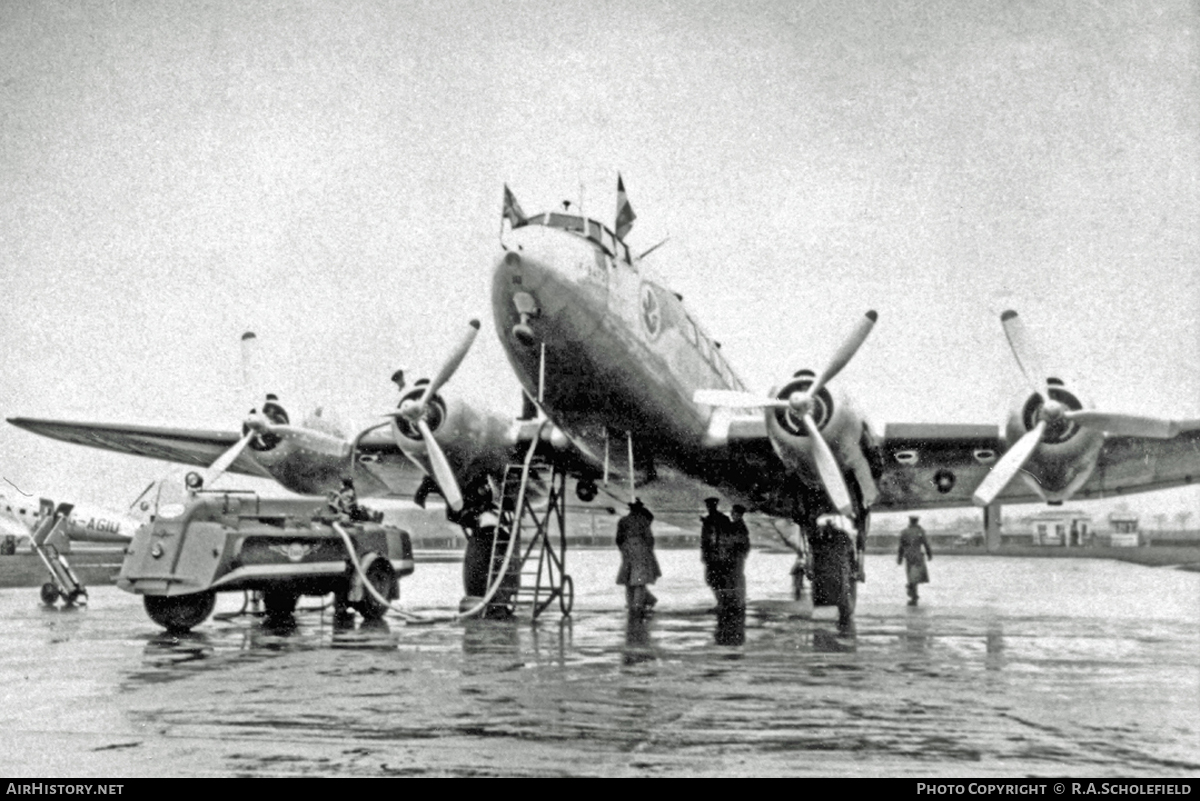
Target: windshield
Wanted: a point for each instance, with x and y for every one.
(594, 231)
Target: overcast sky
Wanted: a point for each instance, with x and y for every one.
(330, 176)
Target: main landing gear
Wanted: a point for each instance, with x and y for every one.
(836, 566)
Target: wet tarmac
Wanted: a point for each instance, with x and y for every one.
(1008, 667)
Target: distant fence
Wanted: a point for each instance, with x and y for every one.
(957, 539)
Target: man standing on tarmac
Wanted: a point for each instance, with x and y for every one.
(639, 566)
(712, 527)
(912, 541)
(732, 549)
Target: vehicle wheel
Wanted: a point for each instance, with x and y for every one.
(179, 612)
(49, 594)
(566, 599)
(79, 596)
(381, 576)
(848, 596)
(279, 601)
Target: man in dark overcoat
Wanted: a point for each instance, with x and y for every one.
(733, 546)
(712, 526)
(639, 566)
(914, 549)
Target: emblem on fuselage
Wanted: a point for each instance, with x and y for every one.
(651, 312)
(293, 551)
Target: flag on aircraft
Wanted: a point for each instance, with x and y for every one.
(625, 215)
(512, 209)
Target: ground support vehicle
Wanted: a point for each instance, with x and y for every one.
(236, 541)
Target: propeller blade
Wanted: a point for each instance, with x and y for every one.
(830, 472)
(1009, 465)
(218, 468)
(1023, 351)
(1126, 425)
(452, 363)
(252, 391)
(845, 353)
(737, 400)
(441, 468)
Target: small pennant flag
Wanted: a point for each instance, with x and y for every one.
(625, 215)
(512, 209)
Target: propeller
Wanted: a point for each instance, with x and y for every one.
(1054, 413)
(413, 410)
(800, 405)
(218, 468)
(256, 424)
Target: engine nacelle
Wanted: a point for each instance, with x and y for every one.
(1066, 455)
(474, 443)
(840, 425)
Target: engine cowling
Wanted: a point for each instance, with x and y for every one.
(473, 442)
(1066, 454)
(838, 423)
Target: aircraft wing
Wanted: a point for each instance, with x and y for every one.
(930, 466)
(185, 446)
(380, 459)
(1138, 464)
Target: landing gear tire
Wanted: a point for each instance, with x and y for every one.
(586, 491)
(566, 598)
(849, 595)
(279, 602)
(49, 594)
(179, 613)
(79, 596)
(383, 578)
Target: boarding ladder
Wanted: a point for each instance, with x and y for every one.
(536, 572)
(63, 581)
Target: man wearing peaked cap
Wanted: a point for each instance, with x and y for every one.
(639, 566)
(712, 526)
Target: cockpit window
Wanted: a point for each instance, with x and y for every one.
(566, 221)
(589, 229)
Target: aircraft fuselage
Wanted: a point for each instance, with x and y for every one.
(622, 356)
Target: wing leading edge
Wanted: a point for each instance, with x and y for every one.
(185, 446)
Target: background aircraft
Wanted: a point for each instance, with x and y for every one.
(21, 514)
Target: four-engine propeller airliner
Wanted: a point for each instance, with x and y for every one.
(611, 351)
(634, 386)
